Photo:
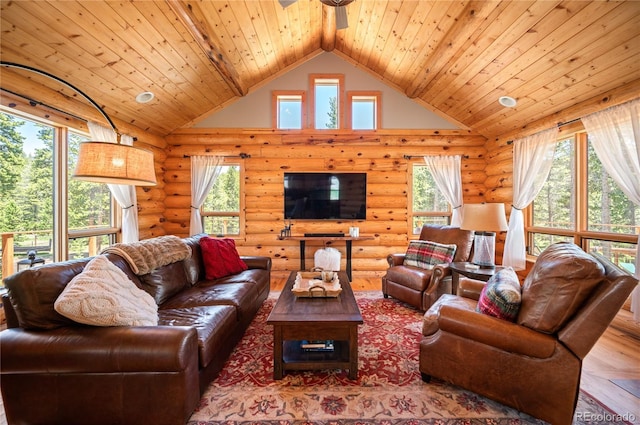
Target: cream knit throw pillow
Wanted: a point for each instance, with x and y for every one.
(103, 295)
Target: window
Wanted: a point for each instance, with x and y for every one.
(580, 203)
(327, 97)
(428, 205)
(364, 110)
(39, 202)
(289, 109)
(221, 209)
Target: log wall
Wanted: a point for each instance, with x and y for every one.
(380, 155)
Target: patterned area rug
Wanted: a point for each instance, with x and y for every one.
(388, 390)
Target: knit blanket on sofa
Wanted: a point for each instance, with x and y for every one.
(149, 254)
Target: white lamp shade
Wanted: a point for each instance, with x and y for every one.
(488, 217)
(113, 163)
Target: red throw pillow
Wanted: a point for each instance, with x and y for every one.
(220, 257)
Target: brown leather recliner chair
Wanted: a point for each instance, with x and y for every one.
(533, 364)
(421, 287)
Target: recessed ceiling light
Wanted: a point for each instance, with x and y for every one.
(507, 101)
(145, 97)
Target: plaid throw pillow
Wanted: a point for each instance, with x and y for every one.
(501, 296)
(426, 254)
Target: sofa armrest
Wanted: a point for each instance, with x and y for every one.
(257, 262)
(395, 259)
(498, 333)
(83, 349)
(470, 288)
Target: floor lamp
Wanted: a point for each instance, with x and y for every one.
(105, 162)
(485, 220)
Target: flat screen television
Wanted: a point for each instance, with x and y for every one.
(325, 196)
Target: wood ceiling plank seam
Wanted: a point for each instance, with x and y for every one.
(505, 25)
(629, 70)
(548, 68)
(364, 16)
(284, 29)
(474, 14)
(184, 53)
(500, 47)
(162, 74)
(408, 36)
(498, 128)
(294, 18)
(272, 47)
(433, 31)
(192, 17)
(373, 31)
(393, 17)
(245, 21)
(216, 13)
(345, 37)
(238, 24)
(68, 70)
(538, 40)
(272, 19)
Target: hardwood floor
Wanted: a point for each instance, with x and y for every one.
(615, 356)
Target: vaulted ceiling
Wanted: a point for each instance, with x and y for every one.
(455, 57)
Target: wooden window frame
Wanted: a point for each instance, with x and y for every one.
(377, 95)
(275, 100)
(312, 100)
(580, 234)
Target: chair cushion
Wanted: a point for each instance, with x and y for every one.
(103, 295)
(426, 254)
(559, 282)
(220, 257)
(501, 296)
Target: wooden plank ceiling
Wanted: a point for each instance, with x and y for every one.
(455, 57)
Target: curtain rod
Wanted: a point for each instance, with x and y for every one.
(240, 155)
(560, 124)
(422, 156)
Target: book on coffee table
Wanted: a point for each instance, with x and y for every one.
(317, 345)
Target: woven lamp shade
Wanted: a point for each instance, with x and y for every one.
(113, 163)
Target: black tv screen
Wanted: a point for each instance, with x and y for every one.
(325, 196)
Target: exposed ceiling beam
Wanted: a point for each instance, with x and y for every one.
(203, 35)
(328, 42)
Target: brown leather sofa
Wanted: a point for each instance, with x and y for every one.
(533, 364)
(56, 371)
(421, 287)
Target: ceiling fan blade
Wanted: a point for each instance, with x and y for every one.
(341, 18)
(286, 3)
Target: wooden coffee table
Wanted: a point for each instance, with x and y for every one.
(313, 319)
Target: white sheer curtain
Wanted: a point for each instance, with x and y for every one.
(205, 169)
(532, 160)
(446, 174)
(615, 136)
(125, 195)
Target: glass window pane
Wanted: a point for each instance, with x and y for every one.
(418, 222)
(290, 112)
(89, 204)
(620, 253)
(541, 241)
(26, 184)
(326, 103)
(222, 225)
(89, 246)
(554, 206)
(363, 112)
(426, 196)
(224, 196)
(609, 208)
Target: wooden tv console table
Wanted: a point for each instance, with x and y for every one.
(347, 239)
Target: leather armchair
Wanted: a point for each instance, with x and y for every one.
(533, 364)
(421, 287)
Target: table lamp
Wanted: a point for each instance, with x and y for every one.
(485, 220)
